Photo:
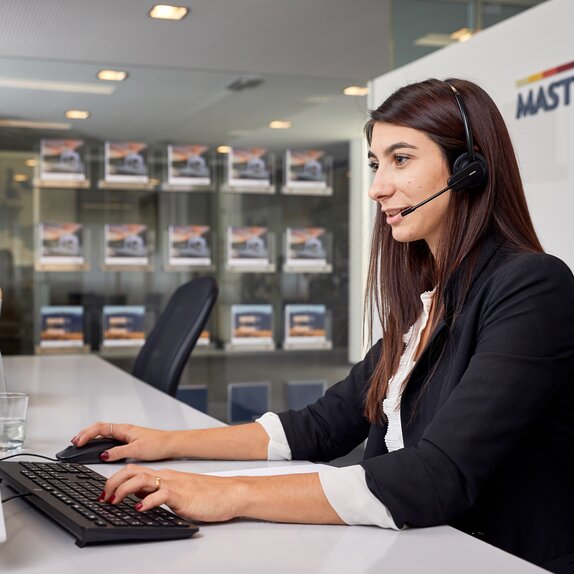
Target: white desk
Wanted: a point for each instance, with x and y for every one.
(68, 392)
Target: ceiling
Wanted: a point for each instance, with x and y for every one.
(304, 51)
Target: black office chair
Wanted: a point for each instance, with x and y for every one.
(167, 348)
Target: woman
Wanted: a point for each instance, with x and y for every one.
(467, 399)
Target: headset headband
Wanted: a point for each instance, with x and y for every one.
(465, 122)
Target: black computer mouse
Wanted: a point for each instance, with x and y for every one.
(89, 453)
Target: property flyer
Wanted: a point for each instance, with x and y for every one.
(61, 243)
(300, 393)
(305, 324)
(247, 401)
(189, 245)
(248, 246)
(305, 169)
(251, 324)
(63, 160)
(123, 326)
(126, 162)
(305, 246)
(204, 339)
(249, 168)
(126, 244)
(62, 326)
(188, 165)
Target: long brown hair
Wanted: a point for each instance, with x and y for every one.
(400, 272)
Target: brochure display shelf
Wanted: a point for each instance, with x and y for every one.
(263, 247)
(186, 188)
(39, 350)
(94, 246)
(150, 186)
(61, 184)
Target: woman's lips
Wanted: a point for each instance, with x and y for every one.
(394, 215)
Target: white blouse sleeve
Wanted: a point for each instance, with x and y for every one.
(363, 507)
(278, 448)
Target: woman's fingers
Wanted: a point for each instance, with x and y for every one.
(154, 499)
(105, 429)
(128, 480)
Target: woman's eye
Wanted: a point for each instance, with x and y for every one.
(401, 159)
(373, 166)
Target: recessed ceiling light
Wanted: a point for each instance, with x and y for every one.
(20, 177)
(112, 75)
(168, 12)
(77, 114)
(30, 162)
(356, 91)
(34, 125)
(223, 149)
(280, 125)
(56, 86)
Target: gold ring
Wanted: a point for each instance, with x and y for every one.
(157, 483)
(111, 433)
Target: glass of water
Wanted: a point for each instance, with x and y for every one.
(13, 407)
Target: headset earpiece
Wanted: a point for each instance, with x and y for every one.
(469, 170)
(467, 173)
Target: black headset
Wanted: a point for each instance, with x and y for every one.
(469, 170)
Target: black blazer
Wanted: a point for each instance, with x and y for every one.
(489, 448)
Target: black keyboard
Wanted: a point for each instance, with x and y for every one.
(68, 494)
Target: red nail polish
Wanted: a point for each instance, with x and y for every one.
(112, 498)
(105, 455)
(138, 506)
(102, 496)
(73, 441)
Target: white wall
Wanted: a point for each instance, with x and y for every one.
(537, 40)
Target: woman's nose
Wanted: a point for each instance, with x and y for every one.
(381, 187)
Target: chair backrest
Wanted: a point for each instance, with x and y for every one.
(161, 360)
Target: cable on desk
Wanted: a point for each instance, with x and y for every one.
(29, 454)
(15, 496)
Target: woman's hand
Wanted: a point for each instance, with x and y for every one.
(283, 498)
(240, 442)
(141, 443)
(192, 496)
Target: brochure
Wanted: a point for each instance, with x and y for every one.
(62, 326)
(249, 168)
(305, 169)
(61, 243)
(123, 326)
(248, 246)
(305, 324)
(126, 245)
(300, 394)
(251, 324)
(306, 246)
(126, 162)
(63, 160)
(204, 339)
(189, 245)
(188, 165)
(247, 401)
